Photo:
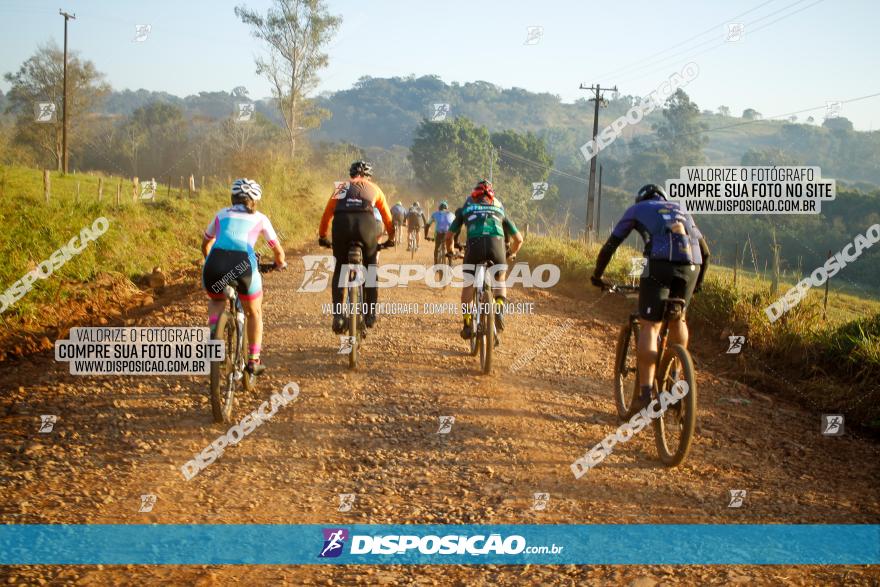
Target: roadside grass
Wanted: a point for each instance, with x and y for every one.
(832, 362)
(143, 234)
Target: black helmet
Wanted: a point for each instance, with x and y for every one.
(649, 191)
(361, 168)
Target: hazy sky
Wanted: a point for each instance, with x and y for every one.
(794, 54)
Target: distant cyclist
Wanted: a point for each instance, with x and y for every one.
(415, 220)
(441, 219)
(398, 217)
(351, 210)
(678, 257)
(483, 215)
(230, 238)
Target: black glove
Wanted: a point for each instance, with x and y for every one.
(597, 281)
(324, 242)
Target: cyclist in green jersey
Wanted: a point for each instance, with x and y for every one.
(483, 215)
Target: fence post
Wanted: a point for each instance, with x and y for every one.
(825, 302)
(180, 191)
(100, 188)
(118, 191)
(774, 285)
(134, 188)
(168, 193)
(77, 192)
(202, 185)
(46, 185)
(735, 264)
(192, 185)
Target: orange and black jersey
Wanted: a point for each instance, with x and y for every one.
(358, 195)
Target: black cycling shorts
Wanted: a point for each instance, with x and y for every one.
(484, 248)
(665, 280)
(234, 268)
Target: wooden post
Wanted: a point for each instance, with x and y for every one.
(100, 188)
(202, 185)
(774, 285)
(180, 191)
(118, 191)
(192, 185)
(168, 194)
(134, 188)
(77, 192)
(825, 301)
(735, 264)
(46, 185)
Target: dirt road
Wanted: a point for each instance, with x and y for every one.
(374, 434)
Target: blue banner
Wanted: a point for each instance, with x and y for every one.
(643, 544)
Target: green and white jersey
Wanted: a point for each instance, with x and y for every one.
(483, 219)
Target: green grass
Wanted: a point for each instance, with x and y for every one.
(142, 235)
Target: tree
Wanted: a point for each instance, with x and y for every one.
(449, 157)
(751, 114)
(768, 156)
(838, 123)
(295, 31)
(40, 79)
(681, 132)
(724, 110)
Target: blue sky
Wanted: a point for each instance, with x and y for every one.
(817, 51)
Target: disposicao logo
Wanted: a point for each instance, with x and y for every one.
(334, 540)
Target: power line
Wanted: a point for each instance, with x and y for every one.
(697, 36)
(677, 57)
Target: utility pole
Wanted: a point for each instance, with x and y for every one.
(598, 214)
(591, 190)
(64, 98)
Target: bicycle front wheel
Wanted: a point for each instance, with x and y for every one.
(487, 337)
(674, 429)
(626, 372)
(223, 372)
(476, 320)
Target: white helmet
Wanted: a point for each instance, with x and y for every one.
(248, 188)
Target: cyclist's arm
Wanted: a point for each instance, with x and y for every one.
(704, 251)
(324, 227)
(516, 237)
(381, 204)
(273, 241)
(618, 235)
(210, 236)
(453, 231)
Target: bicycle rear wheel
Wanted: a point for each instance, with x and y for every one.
(248, 381)
(487, 336)
(353, 305)
(626, 372)
(223, 372)
(674, 430)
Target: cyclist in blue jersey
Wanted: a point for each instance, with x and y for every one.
(228, 248)
(441, 219)
(678, 257)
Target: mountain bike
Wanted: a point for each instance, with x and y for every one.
(484, 333)
(674, 429)
(353, 301)
(413, 244)
(226, 374)
(398, 233)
